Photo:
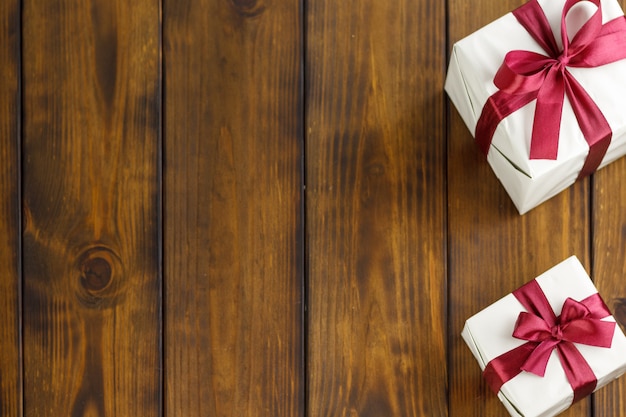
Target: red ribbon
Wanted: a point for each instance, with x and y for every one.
(525, 76)
(579, 322)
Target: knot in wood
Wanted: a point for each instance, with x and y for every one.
(100, 274)
(96, 274)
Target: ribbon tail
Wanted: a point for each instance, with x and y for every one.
(577, 370)
(593, 124)
(537, 361)
(507, 366)
(497, 107)
(547, 122)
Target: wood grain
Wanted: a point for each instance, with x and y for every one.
(401, 233)
(10, 255)
(609, 267)
(492, 249)
(376, 209)
(91, 208)
(233, 211)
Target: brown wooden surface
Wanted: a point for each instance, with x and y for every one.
(91, 82)
(376, 209)
(234, 224)
(260, 208)
(10, 284)
(609, 267)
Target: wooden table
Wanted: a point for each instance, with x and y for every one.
(260, 208)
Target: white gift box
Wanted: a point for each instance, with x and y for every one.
(489, 334)
(469, 83)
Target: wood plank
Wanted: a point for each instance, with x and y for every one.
(91, 201)
(492, 249)
(10, 283)
(376, 208)
(233, 208)
(609, 269)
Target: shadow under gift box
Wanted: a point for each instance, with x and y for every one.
(469, 83)
(488, 334)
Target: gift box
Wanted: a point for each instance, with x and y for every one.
(549, 343)
(543, 91)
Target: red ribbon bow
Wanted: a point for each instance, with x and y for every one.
(525, 76)
(579, 322)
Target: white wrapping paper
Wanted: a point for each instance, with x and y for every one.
(473, 64)
(488, 334)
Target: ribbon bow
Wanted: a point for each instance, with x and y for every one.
(579, 322)
(525, 76)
